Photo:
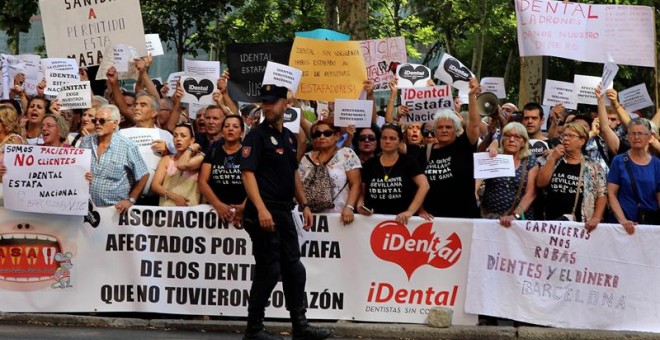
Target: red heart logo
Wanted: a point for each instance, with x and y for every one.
(392, 242)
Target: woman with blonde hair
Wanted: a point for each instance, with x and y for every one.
(9, 133)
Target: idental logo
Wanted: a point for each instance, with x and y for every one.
(392, 242)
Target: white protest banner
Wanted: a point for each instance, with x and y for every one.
(198, 264)
(453, 72)
(381, 57)
(424, 102)
(198, 90)
(585, 89)
(75, 96)
(492, 167)
(82, 31)
(144, 137)
(292, 119)
(560, 92)
(201, 68)
(282, 75)
(353, 112)
(154, 45)
(59, 71)
(610, 70)
(494, 85)
(121, 57)
(172, 80)
(635, 98)
(44, 179)
(586, 32)
(412, 75)
(557, 274)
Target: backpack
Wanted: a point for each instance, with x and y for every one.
(318, 187)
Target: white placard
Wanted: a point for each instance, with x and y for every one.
(198, 90)
(292, 119)
(154, 45)
(109, 61)
(31, 63)
(172, 80)
(610, 70)
(44, 179)
(587, 32)
(635, 98)
(494, 85)
(381, 57)
(412, 75)
(75, 96)
(144, 138)
(491, 167)
(453, 72)
(59, 71)
(121, 57)
(194, 108)
(560, 92)
(84, 31)
(201, 68)
(585, 88)
(353, 112)
(282, 75)
(424, 102)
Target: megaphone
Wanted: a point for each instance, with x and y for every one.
(487, 103)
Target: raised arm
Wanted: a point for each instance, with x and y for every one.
(606, 132)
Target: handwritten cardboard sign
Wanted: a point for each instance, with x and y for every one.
(382, 56)
(44, 179)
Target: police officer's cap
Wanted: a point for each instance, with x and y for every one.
(272, 93)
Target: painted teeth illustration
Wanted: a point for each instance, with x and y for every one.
(28, 257)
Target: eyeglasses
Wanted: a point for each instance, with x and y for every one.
(510, 136)
(568, 136)
(101, 121)
(324, 133)
(638, 134)
(367, 138)
(428, 133)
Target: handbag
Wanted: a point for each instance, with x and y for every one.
(644, 216)
(516, 200)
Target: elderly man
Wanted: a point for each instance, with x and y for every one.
(118, 172)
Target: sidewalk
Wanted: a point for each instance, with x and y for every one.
(341, 328)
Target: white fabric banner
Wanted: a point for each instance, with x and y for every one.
(559, 275)
(184, 261)
(586, 32)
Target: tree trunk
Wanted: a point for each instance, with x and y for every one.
(353, 18)
(531, 80)
(507, 69)
(331, 14)
(14, 40)
(478, 48)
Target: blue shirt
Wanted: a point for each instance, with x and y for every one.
(116, 172)
(647, 178)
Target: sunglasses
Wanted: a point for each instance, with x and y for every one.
(367, 138)
(324, 133)
(101, 121)
(428, 133)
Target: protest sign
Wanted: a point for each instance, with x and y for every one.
(75, 95)
(46, 179)
(59, 71)
(144, 138)
(194, 109)
(201, 68)
(126, 54)
(586, 32)
(30, 70)
(292, 117)
(635, 98)
(353, 112)
(381, 57)
(491, 167)
(83, 31)
(247, 63)
(557, 274)
(453, 72)
(424, 102)
(121, 57)
(154, 45)
(557, 92)
(331, 69)
(609, 72)
(282, 75)
(172, 80)
(585, 89)
(494, 85)
(412, 75)
(323, 34)
(197, 90)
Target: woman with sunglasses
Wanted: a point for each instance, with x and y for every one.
(509, 198)
(392, 183)
(343, 167)
(176, 176)
(428, 133)
(633, 182)
(220, 178)
(574, 184)
(366, 143)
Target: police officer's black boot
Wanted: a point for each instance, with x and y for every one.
(303, 331)
(255, 329)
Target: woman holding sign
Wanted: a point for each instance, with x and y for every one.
(31, 122)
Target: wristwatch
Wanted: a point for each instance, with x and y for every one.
(517, 216)
(131, 199)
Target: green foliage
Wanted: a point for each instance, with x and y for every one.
(15, 18)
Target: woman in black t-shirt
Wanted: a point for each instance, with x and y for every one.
(220, 177)
(392, 181)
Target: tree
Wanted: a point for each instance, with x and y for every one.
(15, 18)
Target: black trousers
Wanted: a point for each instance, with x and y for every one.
(276, 254)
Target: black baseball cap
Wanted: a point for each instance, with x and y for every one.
(272, 93)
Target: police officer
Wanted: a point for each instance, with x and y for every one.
(270, 175)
